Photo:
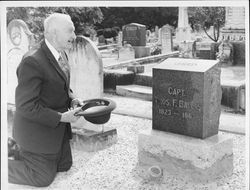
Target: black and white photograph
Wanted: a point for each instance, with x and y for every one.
(128, 95)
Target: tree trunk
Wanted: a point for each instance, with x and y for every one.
(209, 35)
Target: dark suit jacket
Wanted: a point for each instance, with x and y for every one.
(41, 93)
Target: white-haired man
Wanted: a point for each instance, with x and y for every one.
(41, 126)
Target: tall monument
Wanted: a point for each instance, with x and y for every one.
(183, 32)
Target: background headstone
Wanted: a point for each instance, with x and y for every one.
(19, 41)
(119, 39)
(152, 37)
(101, 40)
(187, 97)
(166, 39)
(127, 52)
(86, 74)
(159, 34)
(156, 31)
(134, 34)
(148, 32)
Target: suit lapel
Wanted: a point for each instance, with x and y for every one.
(54, 62)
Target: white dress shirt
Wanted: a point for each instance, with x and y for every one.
(55, 53)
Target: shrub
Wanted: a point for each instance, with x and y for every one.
(108, 32)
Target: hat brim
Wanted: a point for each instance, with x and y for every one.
(101, 113)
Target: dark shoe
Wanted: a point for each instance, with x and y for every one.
(13, 148)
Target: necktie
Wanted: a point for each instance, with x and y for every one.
(64, 66)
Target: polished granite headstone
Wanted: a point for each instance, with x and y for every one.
(187, 96)
(134, 34)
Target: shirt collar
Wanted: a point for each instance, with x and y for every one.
(55, 53)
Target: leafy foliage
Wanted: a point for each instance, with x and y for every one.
(149, 16)
(89, 19)
(205, 17)
(83, 18)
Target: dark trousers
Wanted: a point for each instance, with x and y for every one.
(39, 169)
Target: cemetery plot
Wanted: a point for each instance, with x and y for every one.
(134, 34)
(186, 97)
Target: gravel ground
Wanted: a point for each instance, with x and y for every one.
(116, 167)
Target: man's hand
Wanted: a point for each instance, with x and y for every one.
(76, 102)
(69, 116)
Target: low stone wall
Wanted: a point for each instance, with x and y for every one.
(144, 60)
(111, 78)
(107, 46)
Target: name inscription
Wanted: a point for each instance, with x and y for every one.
(176, 105)
(129, 28)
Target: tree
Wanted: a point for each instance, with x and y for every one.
(84, 18)
(205, 17)
(149, 16)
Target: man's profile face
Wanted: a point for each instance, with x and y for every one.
(65, 35)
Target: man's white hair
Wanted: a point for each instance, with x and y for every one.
(51, 22)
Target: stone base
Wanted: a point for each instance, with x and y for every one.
(89, 140)
(113, 77)
(141, 51)
(186, 157)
